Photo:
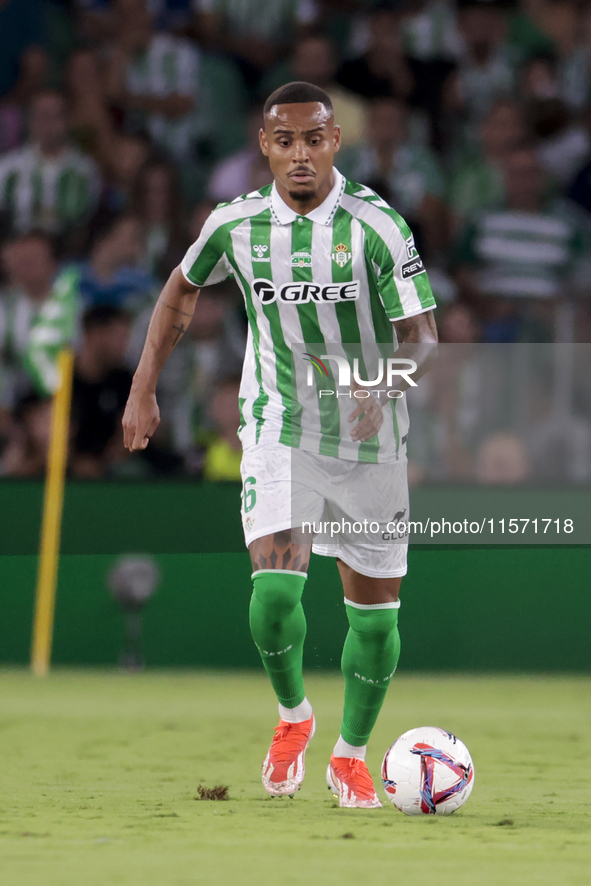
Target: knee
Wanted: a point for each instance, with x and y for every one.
(278, 592)
(373, 625)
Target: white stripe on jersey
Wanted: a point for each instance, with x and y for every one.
(249, 388)
(382, 225)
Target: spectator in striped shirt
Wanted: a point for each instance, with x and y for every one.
(48, 183)
(30, 268)
(255, 33)
(154, 78)
(515, 262)
(487, 65)
(167, 87)
(477, 182)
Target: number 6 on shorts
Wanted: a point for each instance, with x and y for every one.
(249, 496)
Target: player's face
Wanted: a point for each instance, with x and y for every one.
(300, 141)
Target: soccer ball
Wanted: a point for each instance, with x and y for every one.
(428, 771)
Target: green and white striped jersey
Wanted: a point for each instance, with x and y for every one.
(329, 282)
(274, 21)
(17, 315)
(169, 66)
(432, 33)
(522, 254)
(52, 195)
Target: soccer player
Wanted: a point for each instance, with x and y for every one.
(319, 259)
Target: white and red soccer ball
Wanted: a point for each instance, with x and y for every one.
(428, 771)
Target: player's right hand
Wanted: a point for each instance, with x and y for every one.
(140, 419)
(370, 414)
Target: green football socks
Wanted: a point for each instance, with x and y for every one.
(370, 653)
(370, 656)
(278, 627)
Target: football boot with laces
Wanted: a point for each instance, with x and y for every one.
(349, 779)
(283, 768)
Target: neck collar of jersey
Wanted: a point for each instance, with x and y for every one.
(322, 215)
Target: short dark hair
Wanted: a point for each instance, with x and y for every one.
(100, 316)
(296, 92)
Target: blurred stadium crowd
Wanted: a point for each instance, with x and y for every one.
(124, 122)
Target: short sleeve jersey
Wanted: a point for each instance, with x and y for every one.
(317, 288)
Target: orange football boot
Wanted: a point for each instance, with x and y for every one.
(283, 768)
(349, 779)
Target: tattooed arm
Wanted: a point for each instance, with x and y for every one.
(170, 319)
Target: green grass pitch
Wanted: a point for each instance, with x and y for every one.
(99, 775)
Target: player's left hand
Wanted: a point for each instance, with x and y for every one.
(372, 416)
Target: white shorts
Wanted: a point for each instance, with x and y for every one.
(355, 511)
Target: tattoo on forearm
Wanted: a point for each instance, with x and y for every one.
(177, 310)
(282, 550)
(180, 331)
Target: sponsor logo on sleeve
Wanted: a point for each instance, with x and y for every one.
(413, 267)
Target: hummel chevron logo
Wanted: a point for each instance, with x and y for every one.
(260, 252)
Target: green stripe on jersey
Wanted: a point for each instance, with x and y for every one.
(347, 315)
(260, 235)
(343, 273)
(383, 335)
(210, 254)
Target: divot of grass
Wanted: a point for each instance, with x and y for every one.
(218, 792)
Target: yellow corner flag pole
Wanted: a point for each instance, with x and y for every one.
(52, 517)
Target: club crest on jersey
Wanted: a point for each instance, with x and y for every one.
(301, 260)
(341, 255)
(301, 293)
(260, 251)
